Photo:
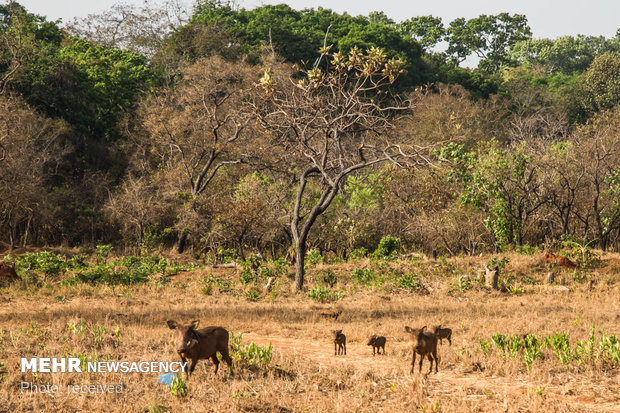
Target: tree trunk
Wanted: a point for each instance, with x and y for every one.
(181, 242)
(602, 239)
(27, 231)
(300, 258)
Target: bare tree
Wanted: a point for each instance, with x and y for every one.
(198, 127)
(138, 29)
(136, 205)
(600, 146)
(30, 150)
(332, 122)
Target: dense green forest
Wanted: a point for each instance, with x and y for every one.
(277, 131)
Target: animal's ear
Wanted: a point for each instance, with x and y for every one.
(422, 329)
(195, 324)
(171, 324)
(408, 329)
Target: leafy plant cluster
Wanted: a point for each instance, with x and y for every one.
(581, 251)
(251, 354)
(604, 351)
(388, 247)
(325, 295)
(224, 286)
(255, 269)
(94, 335)
(124, 270)
(128, 270)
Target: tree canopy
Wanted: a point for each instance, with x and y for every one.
(285, 131)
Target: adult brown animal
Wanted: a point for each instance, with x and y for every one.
(560, 260)
(340, 342)
(423, 343)
(442, 333)
(377, 342)
(195, 344)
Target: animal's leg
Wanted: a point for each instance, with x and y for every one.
(192, 367)
(430, 358)
(215, 361)
(184, 360)
(413, 362)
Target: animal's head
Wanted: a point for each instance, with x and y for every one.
(336, 333)
(372, 340)
(414, 331)
(416, 336)
(549, 256)
(436, 329)
(186, 337)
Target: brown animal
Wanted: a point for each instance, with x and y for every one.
(376, 342)
(331, 314)
(423, 343)
(442, 333)
(491, 277)
(340, 342)
(195, 344)
(560, 260)
(7, 274)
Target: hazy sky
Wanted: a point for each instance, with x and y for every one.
(547, 18)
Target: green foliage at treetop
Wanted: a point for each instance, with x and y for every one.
(298, 35)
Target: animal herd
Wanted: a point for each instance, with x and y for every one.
(195, 344)
(421, 341)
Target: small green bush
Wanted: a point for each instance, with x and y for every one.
(314, 257)
(247, 276)
(409, 282)
(363, 275)
(325, 295)
(387, 248)
(329, 278)
(462, 284)
(251, 354)
(178, 387)
(252, 295)
(358, 253)
(102, 252)
(226, 255)
(588, 352)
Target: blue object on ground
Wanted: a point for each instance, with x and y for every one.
(166, 378)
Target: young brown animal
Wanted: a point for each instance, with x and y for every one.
(331, 314)
(340, 342)
(376, 342)
(201, 344)
(560, 260)
(423, 343)
(442, 333)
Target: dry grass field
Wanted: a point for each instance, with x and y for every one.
(477, 374)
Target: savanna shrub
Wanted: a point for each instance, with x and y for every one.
(388, 246)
